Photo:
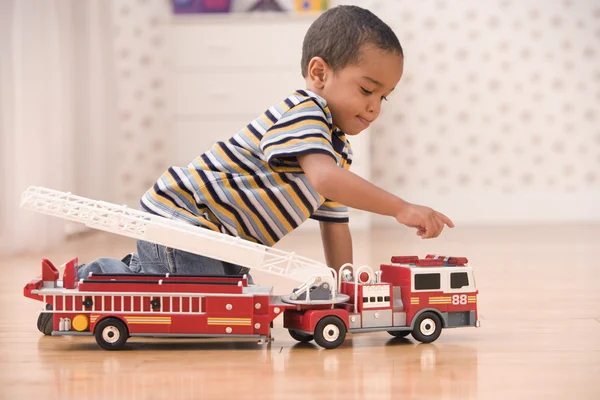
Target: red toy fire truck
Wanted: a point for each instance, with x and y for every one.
(409, 295)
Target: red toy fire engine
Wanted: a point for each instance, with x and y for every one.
(407, 296)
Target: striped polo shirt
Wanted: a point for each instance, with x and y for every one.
(252, 186)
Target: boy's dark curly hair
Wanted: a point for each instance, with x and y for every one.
(338, 34)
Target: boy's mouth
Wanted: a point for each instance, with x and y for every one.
(365, 122)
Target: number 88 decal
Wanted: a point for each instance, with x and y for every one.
(459, 299)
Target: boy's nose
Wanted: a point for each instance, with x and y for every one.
(373, 108)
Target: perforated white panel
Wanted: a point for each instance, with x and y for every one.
(499, 103)
(142, 50)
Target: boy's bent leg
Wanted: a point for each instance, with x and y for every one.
(104, 265)
(156, 258)
(183, 263)
(233, 269)
(150, 259)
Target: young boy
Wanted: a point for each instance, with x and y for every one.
(292, 162)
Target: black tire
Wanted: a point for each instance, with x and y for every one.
(45, 321)
(428, 327)
(111, 334)
(399, 334)
(301, 337)
(330, 332)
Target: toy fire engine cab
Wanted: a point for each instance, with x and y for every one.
(409, 295)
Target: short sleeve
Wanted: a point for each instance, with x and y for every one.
(303, 129)
(331, 211)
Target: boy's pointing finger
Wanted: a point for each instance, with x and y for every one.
(446, 220)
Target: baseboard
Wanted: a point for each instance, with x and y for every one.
(510, 209)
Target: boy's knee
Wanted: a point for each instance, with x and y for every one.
(103, 265)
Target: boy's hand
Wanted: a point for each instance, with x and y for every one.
(429, 223)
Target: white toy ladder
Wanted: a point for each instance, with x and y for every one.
(137, 224)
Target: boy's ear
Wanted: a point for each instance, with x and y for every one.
(317, 71)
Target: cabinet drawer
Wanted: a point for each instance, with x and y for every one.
(247, 93)
(243, 44)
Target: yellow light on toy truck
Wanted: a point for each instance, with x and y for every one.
(81, 323)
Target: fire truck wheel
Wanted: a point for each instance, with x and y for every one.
(111, 334)
(44, 322)
(301, 337)
(427, 327)
(399, 334)
(330, 332)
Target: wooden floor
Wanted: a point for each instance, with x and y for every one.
(539, 307)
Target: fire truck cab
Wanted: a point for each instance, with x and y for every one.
(408, 296)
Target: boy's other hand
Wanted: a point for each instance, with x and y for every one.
(428, 222)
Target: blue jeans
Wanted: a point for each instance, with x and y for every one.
(152, 258)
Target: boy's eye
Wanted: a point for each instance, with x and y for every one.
(367, 92)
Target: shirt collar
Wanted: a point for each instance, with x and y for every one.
(322, 102)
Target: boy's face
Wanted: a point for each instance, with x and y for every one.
(354, 94)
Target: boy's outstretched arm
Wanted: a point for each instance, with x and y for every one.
(337, 244)
(345, 187)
